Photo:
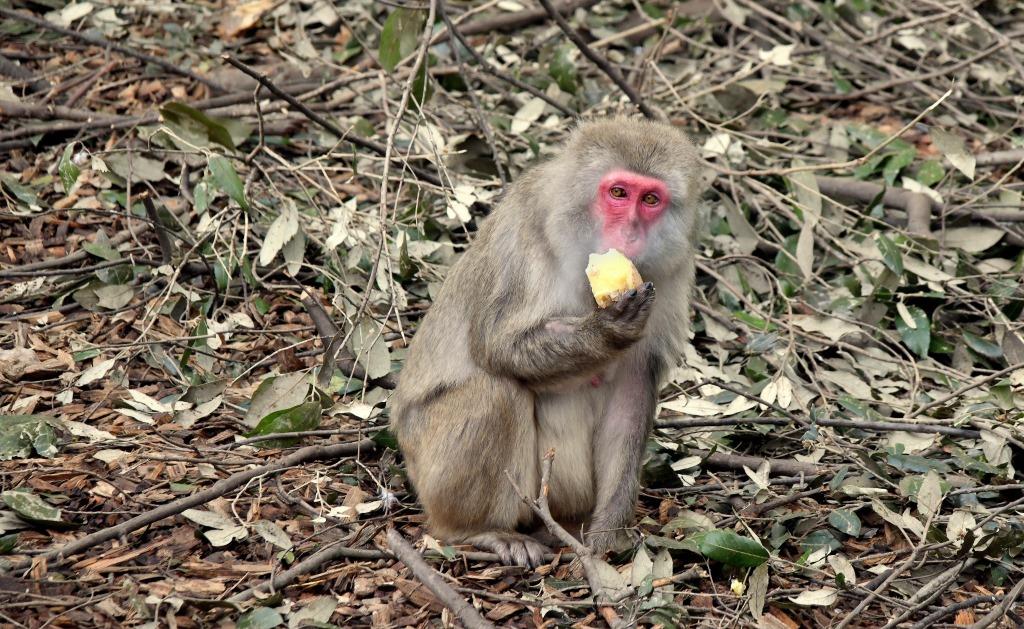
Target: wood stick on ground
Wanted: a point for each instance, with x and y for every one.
(881, 426)
(1001, 609)
(739, 461)
(599, 61)
(23, 75)
(308, 565)
(939, 614)
(511, 21)
(133, 230)
(964, 389)
(435, 583)
(95, 40)
(218, 489)
(889, 578)
(361, 142)
(866, 191)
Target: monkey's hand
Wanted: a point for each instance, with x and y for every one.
(623, 322)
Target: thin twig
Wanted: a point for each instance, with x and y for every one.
(218, 489)
(941, 429)
(430, 578)
(543, 511)
(599, 61)
(851, 163)
(1000, 610)
(95, 40)
(485, 126)
(359, 141)
(490, 68)
(964, 389)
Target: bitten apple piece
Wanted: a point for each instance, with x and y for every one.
(611, 275)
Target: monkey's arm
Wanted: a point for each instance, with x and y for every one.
(556, 348)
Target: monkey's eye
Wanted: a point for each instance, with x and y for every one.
(618, 192)
(651, 199)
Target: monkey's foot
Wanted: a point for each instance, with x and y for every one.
(514, 549)
(601, 542)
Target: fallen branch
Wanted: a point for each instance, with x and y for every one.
(739, 461)
(918, 78)
(881, 426)
(999, 158)
(964, 389)
(1001, 609)
(432, 579)
(307, 566)
(936, 616)
(23, 75)
(599, 61)
(96, 40)
(918, 206)
(218, 489)
(52, 112)
(512, 21)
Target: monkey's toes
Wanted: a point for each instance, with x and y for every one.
(513, 549)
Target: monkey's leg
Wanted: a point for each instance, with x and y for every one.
(466, 438)
(618, 450)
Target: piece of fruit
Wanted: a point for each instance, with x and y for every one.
(611, 275)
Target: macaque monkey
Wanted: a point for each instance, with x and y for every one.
(514, 357)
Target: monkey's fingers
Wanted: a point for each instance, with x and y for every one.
(636, 303)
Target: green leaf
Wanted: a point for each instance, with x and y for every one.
(563, 70)
(101, 250)
(385, 439)
(919, 337)
(20, 435)
(755, 322)
(983, 347)
(731, 549)
(845, 521)
(31, 507)
(866, 169)
(260, 618)
(201, 128)
(422, 86)
(305, 416)
(398, 38)
(67, 169)
(8, 543)
(891, 255)
(843, 86)
(227, 180)
(815, 541)
(930, 173)
(24, 193)
(897, 162)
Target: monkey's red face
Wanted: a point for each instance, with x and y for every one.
(628, 205)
